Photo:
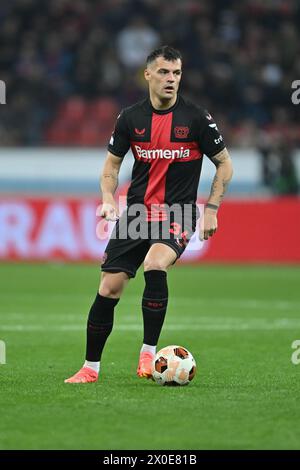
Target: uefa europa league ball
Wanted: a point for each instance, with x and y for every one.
(174, 365)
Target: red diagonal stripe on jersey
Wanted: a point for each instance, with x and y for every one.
(156, 188)
(161, 140)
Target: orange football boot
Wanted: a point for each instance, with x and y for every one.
(145, 367)
(83, 376)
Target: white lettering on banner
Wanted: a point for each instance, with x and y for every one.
(90, 243)
(58, 232)
(16, 222)
(48, 229)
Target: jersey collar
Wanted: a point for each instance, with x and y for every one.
(164, 111)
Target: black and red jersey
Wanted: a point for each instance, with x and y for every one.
(168, 147)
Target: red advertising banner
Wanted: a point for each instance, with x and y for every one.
(257, 231)
(65, 229)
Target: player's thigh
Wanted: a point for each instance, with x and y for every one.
(160, 256)
(113, 284)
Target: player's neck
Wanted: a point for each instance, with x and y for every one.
(162, 104)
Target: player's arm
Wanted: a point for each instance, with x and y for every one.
(219, 185)
(212, 144)
(222, 178)
(109, 184)
(117, 148)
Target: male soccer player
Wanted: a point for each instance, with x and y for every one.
(168, 136)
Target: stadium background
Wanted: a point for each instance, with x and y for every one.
(69, 67)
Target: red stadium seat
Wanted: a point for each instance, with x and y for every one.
(88, 134)
(80, 123)
(104, 109)
(59, 133)
(73, 110)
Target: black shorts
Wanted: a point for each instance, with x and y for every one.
(125, 253)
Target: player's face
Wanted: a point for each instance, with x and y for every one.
(164, 77)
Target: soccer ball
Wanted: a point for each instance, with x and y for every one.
(174, 365)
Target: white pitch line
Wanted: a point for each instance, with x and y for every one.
(283, 324)
(132, 317)
(252, 304)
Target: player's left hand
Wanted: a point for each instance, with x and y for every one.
(208, 224)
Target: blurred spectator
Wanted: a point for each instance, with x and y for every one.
(135, 42)
(239, 62)
(287, 180)
(278, 168)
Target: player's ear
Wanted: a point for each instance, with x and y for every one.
(147, 75)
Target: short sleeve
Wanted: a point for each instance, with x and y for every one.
(211, 141)
(119, 142)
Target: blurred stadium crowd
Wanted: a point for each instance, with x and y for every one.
(70, 65)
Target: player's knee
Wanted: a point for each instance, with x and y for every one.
(110, 290)
(154, 264)
(111, 286)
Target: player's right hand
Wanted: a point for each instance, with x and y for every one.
(109, 212)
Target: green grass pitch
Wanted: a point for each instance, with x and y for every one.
(239, 322)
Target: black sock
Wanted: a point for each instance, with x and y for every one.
(154, 304)
(99, 326)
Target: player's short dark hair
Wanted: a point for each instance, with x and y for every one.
(167, 52)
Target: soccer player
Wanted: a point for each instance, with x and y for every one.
(168, 136)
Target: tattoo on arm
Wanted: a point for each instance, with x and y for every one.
(220, 158)
(222, 177)
(218, 188)
(109, 182)
(110, 175)
(225, 184)
(214, 186)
